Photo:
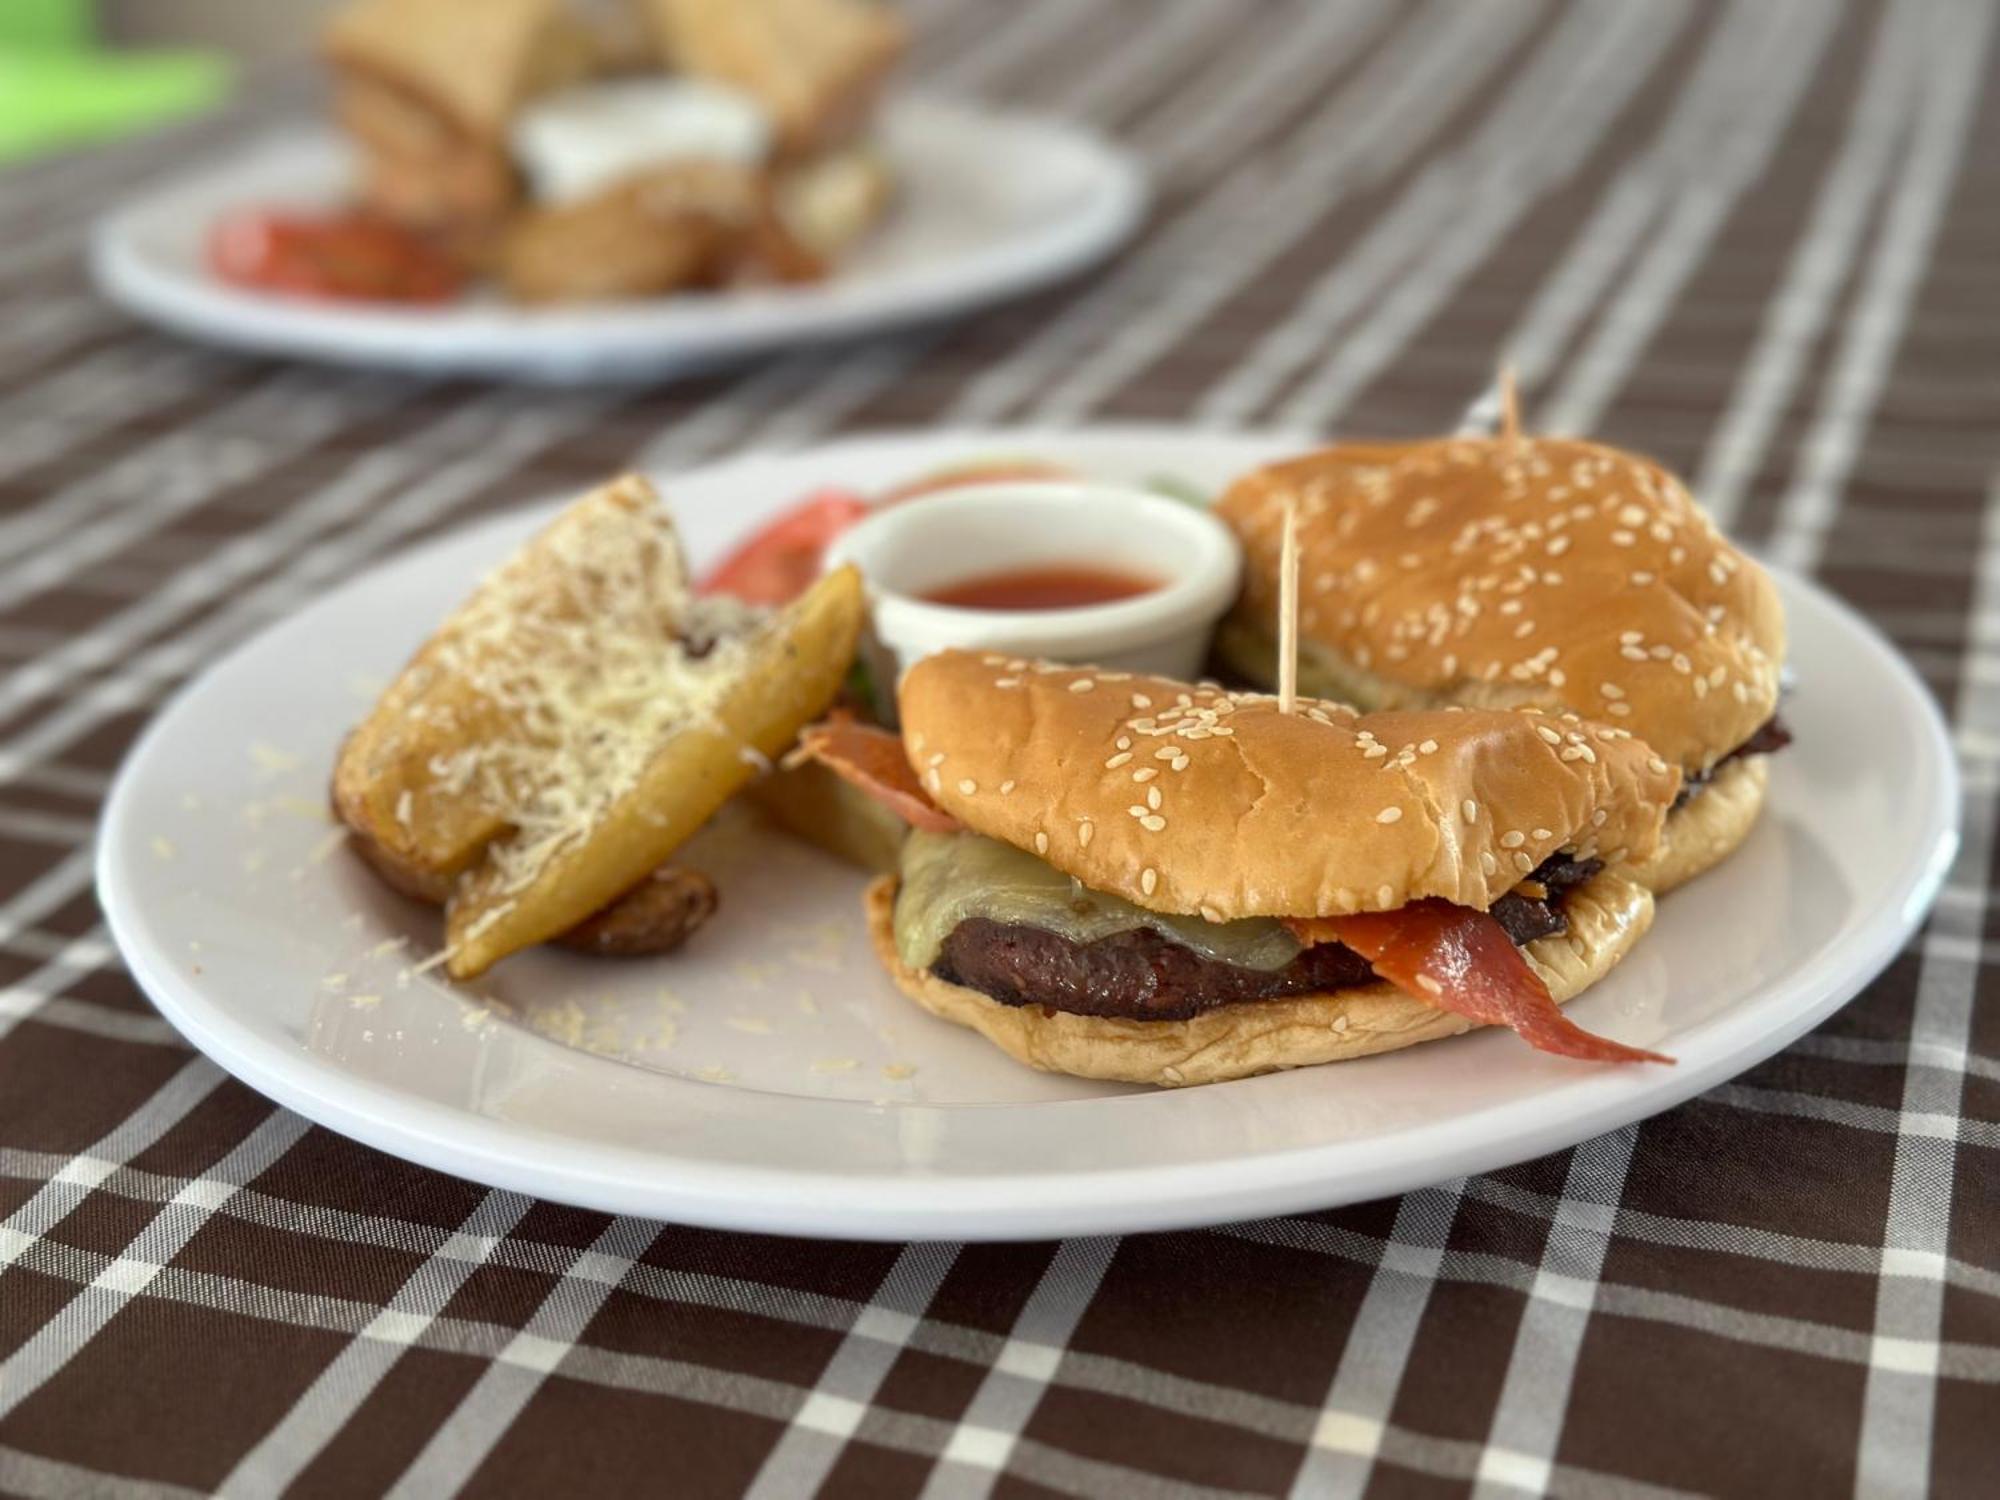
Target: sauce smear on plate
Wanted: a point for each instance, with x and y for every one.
(1043, 588)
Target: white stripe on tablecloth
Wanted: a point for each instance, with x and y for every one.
(1444, 227)
(1746, 123)
(1796, 313)
(1153, 299)
(1874, 325)
(462, 1441)
(826, 1419)
(981, 1444)
(351, 1377)
(50, 1348)
(1341, 1451)
(1899, 1402)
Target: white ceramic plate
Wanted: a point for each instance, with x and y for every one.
(759, 1079)
(991, 205)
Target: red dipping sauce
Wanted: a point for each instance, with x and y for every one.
(1043, 588)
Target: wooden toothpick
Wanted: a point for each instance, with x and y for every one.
(1288, 612)
(1510, 409)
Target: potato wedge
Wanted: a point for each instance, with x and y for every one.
(656, 916)
(812, 803)
(410, 780)
(534, 886)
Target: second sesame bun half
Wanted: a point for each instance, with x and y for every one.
(1502, 572)
(1189, 799)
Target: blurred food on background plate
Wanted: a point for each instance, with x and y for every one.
(567, 156)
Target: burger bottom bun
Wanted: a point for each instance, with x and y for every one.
(1606, 916)
(1708, 829)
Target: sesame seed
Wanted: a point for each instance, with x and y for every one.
(1145, 773)
(1124, 742)
(1006, 682)
(1140, 700)
(1153, 798)
(1210, 914)
(1117, 760)
(1487, 862)
(1429, 985)
(1513, 838)
(1137, 810)
(1083, 834)
(1006, 787)
(938, 758)
(1657, 766)
(1542, 835)
(1153, 823)
(1041, 843)
(1148, 879)
(1597, 818)
(1548, 734)
(1618, 709)
(1611, 690)
(1471, 810)
(1428, 747)
(1083, 684)
(1523, 863)
(968, 786)
(932, 780)
(1389, 815)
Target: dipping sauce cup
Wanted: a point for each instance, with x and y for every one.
(947, 541)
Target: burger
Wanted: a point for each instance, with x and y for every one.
(1517, 572)
(1128, 877)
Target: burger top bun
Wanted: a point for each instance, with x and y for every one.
(1500, 572)
(1192, 800)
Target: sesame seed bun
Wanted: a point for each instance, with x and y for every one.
(1709, 828)
(1606, 917)
(1196, 801)
(1546, 572)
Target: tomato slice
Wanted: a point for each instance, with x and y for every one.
(1462, 960)
(351, 256)
(782, 558)
(873, 760)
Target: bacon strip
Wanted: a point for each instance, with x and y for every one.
(1462, 960)
(873, 760)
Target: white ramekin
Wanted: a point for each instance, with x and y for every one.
(907, 550)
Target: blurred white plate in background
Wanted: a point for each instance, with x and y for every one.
(990, 206)
(769, 1076)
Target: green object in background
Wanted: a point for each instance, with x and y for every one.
(46, 24)
(57, 88)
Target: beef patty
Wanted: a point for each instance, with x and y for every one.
(1771, 735)
(1143, 976)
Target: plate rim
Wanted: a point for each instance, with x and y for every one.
(620, 1178)
(633, 340)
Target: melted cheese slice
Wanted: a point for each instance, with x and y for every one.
(948, 878)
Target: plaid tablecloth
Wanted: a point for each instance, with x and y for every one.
(1756, 238)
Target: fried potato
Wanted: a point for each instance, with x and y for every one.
(408, 780)
(812, 803)
(655, 916)
(785, 675)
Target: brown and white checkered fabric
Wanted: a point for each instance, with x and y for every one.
(1759, 238)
